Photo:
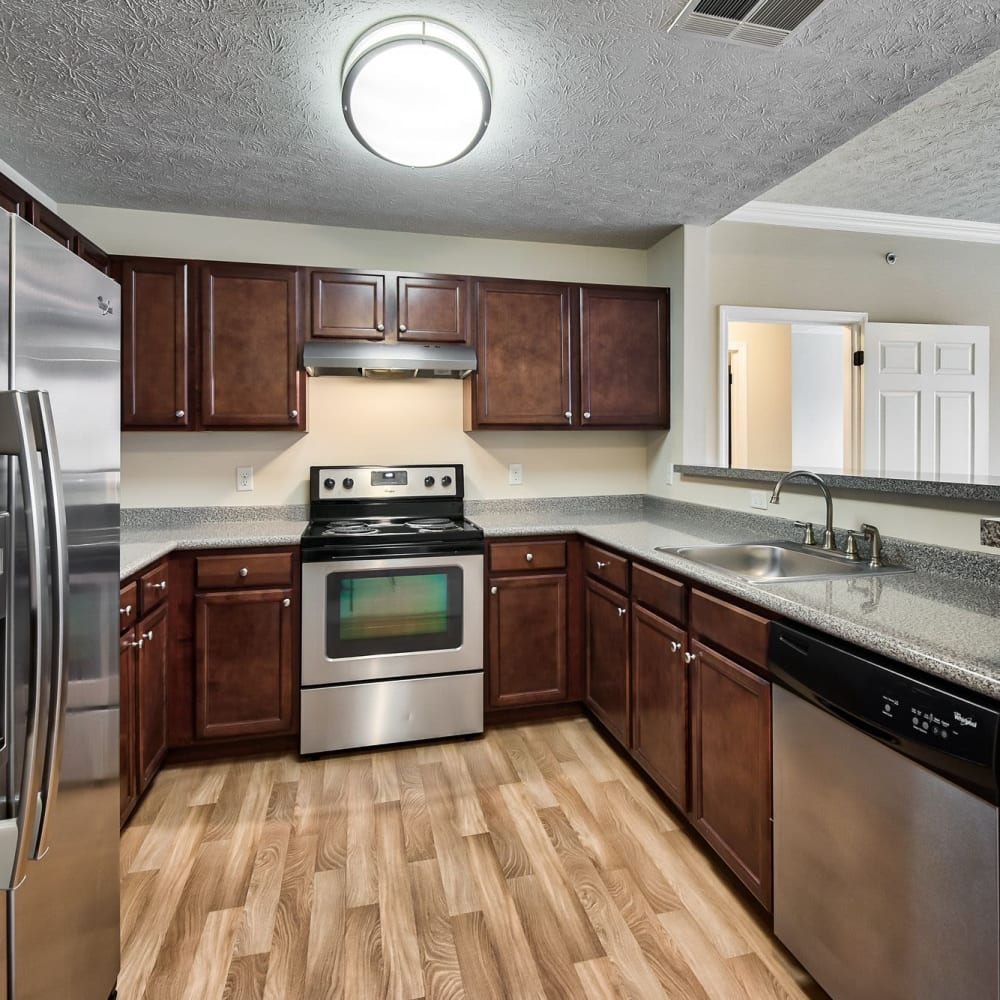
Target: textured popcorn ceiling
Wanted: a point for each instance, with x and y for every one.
(939, 156)
(605, 129)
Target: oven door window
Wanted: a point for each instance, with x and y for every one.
(382, 612)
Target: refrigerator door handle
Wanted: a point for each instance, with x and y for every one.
(18, 833)
(58, 556)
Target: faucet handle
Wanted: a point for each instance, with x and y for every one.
(875, 536)
(851, 548)
(809, 538)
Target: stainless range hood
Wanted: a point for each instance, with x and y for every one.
(325, 357)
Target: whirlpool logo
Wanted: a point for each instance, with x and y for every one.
(965, 720)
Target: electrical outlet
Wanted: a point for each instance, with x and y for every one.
(668, 479)
(758, 499)
(244, 478)
(515, 474)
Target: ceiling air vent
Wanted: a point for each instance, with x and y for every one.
(751, 22)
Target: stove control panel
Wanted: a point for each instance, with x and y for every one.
(377, 482)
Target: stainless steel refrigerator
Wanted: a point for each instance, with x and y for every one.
(59, 540)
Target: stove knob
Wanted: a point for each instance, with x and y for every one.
(429, 481)
(328, 484)
(446, 480)
(348, 484)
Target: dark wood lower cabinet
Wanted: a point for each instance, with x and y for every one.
(731, 752)
(127, 765)
(151, 695)
(660, 702)
(527, 640)
(606, 649)
(244, 646)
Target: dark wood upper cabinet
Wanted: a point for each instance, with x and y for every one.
(151, 695)
(49, 223)
(348, 305)
(624, 379)
(155, 344)
(92, 254)
(731, 752)
(606, 651)
(251, 334)
(432, 310)
(12, 198)
(243, 670)
(524, 347)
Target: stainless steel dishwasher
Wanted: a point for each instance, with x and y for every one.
(885, 825)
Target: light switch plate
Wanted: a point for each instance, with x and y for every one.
(244, 478)
(515, 474)
(758, 499)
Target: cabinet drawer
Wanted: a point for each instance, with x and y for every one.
(506, 557)
(606, 566)
(730, 628)
(152, 588)
(258, 569)
(660, 594)
(128, 606)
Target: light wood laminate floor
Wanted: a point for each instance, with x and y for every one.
(533, 863)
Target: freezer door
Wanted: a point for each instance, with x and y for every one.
(66, 342)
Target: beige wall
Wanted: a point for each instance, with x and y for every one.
(934, 281)
(357, 420)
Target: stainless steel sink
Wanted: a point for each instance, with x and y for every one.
(776, 562)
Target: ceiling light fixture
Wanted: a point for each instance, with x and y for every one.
(416, 92)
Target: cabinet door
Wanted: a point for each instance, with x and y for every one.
(49, 223)
(623, 357)
(524, 346)
(347, 305)
(12, 198)
(527, 636)
(243, 669)
(606, 651)
(432, 310)
(250, 340)
(731, 751)
(660, 699)
(92, 254)
(155, 332)
(127, 723)
(151, 696)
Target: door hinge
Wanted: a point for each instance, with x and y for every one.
(859, 358)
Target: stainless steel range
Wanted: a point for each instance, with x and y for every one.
(392, 608)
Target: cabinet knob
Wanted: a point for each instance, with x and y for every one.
(601, 565)
(380, 327)
(529, 556)
(674, 646)
(244, 571)
(294, 414)
(690, 657)
(127, 610)
(134, 645)
(286, 602)
(493, 590)
(148, 636)
(586, 414)
(402, 328)
(622, 612)
(162, 585)
(568, 414)
(178, 414)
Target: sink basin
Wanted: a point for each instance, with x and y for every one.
(776, 562)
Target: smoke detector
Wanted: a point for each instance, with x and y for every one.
(764, 23)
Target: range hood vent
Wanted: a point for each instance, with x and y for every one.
(387, 361)
(765, 23)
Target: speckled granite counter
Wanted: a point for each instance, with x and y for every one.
(945, 625)
(142, 546)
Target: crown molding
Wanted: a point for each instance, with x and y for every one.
(776, 213)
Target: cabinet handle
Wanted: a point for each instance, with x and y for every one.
(178, 414)
(674, 646)
(529, 556)
(286, 602)
(622, 612)
(244, 571)
(568, 415)
(586, 414)
(402, 328)
(148, 636)
(134, 645)
(162, 585)
(690, 657)
(493, 590)
(380, 327)
(127, 610)
(601, 565)
(294, 414)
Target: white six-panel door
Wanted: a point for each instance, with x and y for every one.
(926, 400)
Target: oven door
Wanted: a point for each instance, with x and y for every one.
(374, 619)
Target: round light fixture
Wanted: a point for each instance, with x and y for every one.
(416, 92)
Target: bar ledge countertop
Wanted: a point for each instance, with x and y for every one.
(944, 618)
